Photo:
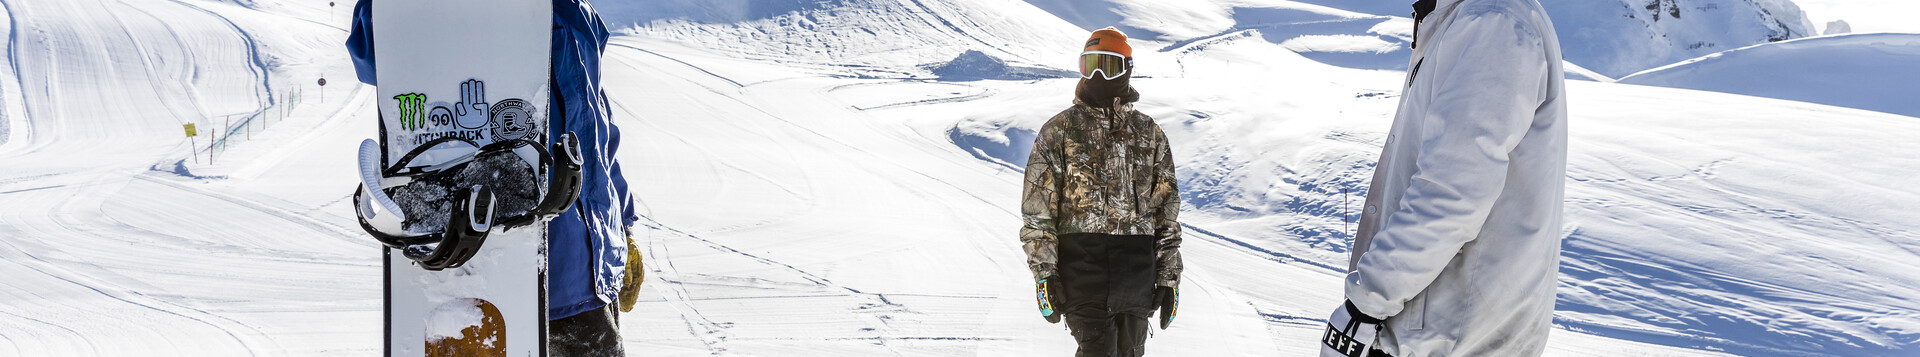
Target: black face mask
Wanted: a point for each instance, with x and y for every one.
(1101, 92)
(1420, 10)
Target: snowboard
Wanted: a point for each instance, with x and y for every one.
(464, 175)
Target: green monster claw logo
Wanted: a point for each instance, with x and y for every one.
(413, 110)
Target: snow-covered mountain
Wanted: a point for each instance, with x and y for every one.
(1611, 37)
(813, 185)
(1865, 71)
(1863, 16)
(1619, 37)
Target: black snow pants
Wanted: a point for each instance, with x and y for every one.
(591, 333)
(1107, 283)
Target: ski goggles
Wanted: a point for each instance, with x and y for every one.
(1109, 65)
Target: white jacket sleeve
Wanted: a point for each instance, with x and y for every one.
(1486, 75)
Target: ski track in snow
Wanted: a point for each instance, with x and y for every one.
(104, 255)
(827, 199)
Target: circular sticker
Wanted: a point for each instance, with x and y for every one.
(512, 119)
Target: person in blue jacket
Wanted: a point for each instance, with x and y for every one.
(587, 247)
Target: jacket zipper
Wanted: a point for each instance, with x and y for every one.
(1415, 72)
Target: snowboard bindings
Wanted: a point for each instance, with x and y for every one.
(437, 203)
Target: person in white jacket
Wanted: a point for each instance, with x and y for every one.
(1458, 248)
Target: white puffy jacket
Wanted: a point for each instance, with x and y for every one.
(1470, 183)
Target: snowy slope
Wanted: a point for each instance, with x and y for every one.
(1672, 193)
(106, 248)
(1865, 71)
(1864, 16)
(814, 214)
(1370, 34)
(877, 36)
(1619, 37)
(1254, 158)
(809, 191)
(1612, 37)
(1327, 34)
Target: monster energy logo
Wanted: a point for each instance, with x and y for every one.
(413, 110)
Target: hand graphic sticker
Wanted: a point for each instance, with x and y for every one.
(471, 110)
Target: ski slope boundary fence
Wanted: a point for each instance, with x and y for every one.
(225, 131)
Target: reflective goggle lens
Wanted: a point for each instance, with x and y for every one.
(1110, 65)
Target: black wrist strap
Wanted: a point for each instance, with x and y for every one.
(1360, 316)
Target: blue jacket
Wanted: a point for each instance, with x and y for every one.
(586, 250)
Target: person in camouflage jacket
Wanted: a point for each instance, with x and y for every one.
(1100, 205)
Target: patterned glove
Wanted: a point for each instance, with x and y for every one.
(1168, 299)
(1049, 298)
(1350, 333)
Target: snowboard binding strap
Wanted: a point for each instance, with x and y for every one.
(469, 222)
(472, 213)
(563, 182)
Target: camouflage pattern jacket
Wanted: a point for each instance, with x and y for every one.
(1100, 170)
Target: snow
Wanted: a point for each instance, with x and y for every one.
(809, 188)
(856, 33)
(108, 250)
(447, 319)
(1574, 71)
(1837, 27)
(1865, 15)
(1865, 71)
(1620, 37)
(1612, 37)
(975, 65)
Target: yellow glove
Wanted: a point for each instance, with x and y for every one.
(636, 272)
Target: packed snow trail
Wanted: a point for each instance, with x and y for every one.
(106, 249)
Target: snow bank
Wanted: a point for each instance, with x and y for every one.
(974, 65)
(1866, 71)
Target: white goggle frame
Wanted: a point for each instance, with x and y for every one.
(1103, 73)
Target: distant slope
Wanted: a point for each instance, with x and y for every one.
(880, 36)
(1619, 37)
(1612, 37)
(1865, 16)
(1866, 71)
